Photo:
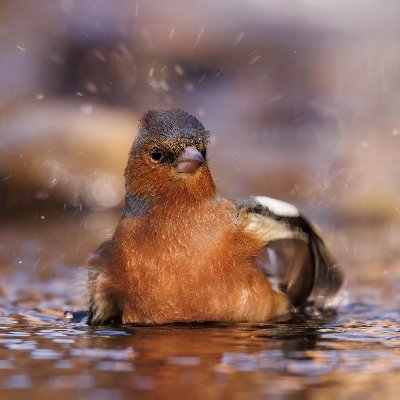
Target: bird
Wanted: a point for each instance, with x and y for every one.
(181, 253)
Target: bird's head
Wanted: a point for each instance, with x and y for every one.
(168, 161)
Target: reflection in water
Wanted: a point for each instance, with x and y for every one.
(288, 359)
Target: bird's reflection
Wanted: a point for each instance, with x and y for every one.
(215, 356)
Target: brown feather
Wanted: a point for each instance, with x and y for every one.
(197, 264)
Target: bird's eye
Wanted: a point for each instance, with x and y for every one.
(204, 153)
(156, 154)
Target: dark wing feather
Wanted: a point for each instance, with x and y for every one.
(102, 309)
(295, 256)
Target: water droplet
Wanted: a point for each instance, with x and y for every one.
(87, 109)
(238, 38)
(179, 70)
(199, 36)
(91, 87)
(255, 59)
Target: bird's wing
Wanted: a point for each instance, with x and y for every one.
(102, 309)
(294, 254)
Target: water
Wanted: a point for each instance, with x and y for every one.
(353, 354)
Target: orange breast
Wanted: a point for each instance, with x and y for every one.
(197, 267)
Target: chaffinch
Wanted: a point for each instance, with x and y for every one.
(181, 253)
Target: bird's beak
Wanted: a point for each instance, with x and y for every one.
(189, 161)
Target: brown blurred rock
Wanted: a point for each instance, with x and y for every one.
(63, 152)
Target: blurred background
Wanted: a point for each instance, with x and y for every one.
(301, 99)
